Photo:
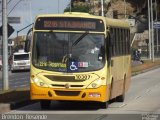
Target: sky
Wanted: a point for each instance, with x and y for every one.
(27, 10)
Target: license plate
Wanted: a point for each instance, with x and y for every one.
(21, 67)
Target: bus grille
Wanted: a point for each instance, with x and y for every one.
(63, 78)
(67, 93)
(57, 85)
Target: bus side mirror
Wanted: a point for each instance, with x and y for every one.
(27, 45)
(28, 41)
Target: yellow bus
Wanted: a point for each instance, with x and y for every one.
(79, 57)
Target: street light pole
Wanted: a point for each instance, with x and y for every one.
(58, 6)
(5, 46)
(102, 6)
(149, 31)
(30, 11)
(125, 8)
(70, 7)
(152, 31)
(156, 28)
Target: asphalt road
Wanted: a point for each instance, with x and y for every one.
(19, 79)
(142, 100)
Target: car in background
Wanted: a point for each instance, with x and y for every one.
(20, 61)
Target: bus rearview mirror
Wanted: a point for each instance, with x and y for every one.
(27, 45)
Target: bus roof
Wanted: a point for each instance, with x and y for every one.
(71, 14)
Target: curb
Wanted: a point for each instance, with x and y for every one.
(6, 107)
(14, 99)
(18, 104)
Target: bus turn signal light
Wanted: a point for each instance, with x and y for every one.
(94, 95)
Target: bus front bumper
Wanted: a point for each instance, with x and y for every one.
(100, 94)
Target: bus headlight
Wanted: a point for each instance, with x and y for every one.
(95, 84)
(39, 82)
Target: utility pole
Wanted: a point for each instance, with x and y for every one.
(149, 31)
(70, 6)
(125, 9)
(30, 11)
(5, 46)
(152, 30)
(58, 6)
(156, 28)
(102, 6)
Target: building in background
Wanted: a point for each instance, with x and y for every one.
(19, 43)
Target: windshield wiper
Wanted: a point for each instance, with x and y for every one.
(80, 38)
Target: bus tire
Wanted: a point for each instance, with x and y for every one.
(104, 105)
(121, 98)
(45, 104)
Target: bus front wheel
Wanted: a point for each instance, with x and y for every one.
(104, 105)
(45, 104)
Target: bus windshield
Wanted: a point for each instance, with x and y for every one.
(68, 52)
(21, 57)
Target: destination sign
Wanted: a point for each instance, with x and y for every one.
(75, 24)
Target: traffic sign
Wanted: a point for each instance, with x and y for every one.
(10, 30)
(132, 22)
(14, 20)
(156, 25)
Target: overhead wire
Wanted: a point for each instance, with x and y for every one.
(7, 4)
(14, 7)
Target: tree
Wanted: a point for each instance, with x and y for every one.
(77, 9)
(77, 6)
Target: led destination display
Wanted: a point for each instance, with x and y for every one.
(69, 23)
